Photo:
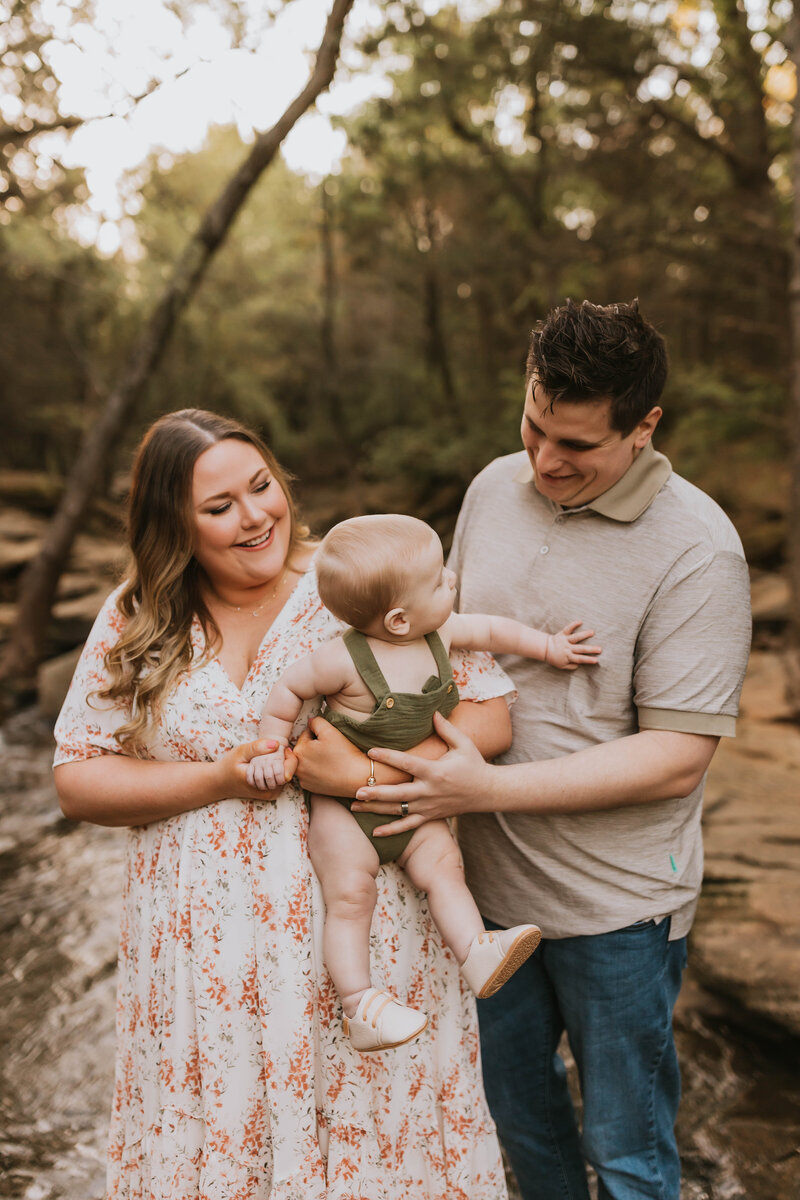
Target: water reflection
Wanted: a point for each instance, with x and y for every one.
(739, 1125)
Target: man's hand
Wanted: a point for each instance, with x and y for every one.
(566, 651)
(439, 788)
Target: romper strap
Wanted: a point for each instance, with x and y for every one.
(365, 663)
(439, 653)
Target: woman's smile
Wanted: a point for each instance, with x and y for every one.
(257, 543)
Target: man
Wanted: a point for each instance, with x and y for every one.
(592, 828)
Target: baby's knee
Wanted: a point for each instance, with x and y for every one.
(435, 858)
(350, 894)
(449, 862)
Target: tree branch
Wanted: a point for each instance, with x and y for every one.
(38, 584)
(17, 135)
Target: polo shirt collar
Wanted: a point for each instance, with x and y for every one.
(631, 495)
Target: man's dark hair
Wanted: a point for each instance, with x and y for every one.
(589, 351)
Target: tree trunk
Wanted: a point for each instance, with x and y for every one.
(39, 582)
(436, 352)
(330, 388)
(794, 316)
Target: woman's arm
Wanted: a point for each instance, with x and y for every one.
(331, 766)
(116, 790)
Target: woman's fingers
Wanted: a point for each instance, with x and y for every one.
(289, 765)
(260, 746)
(388, 795)
(404, 825)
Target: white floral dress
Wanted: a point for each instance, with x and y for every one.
(233, 1078)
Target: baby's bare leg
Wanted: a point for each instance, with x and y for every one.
(432, 861)
(346, 865)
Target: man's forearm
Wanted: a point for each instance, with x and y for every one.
(647, 766)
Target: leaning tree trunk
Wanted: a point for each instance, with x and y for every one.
(794, 315)
(39, 582)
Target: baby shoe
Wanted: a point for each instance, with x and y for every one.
(496, 954)
(381, 1023)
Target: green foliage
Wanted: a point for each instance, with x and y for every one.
(375, 326)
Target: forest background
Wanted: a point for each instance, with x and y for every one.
(373, 324)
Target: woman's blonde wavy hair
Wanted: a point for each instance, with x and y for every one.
(162, 594)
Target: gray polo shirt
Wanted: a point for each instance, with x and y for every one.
(657, 570)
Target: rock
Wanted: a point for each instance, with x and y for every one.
(36, 490)
(765, 688)
(18, 523)
(101, 557)
(746, 939)
(770, 597)
(20, 539)
(8, 613)
(16, 554)
(53, 679)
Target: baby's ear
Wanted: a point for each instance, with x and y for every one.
(396, 622)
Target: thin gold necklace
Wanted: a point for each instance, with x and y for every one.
(267, 599)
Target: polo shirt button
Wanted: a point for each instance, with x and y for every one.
(545, 550)
(449, 687)
(390, 702)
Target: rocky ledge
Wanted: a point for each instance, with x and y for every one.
(746, 940)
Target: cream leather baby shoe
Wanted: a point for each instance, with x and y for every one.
(496, 954)
(381, 1023)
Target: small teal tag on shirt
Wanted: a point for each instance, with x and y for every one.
(673, 864)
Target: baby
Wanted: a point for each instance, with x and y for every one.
(382, 681)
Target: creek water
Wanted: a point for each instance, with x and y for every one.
(739, 1126)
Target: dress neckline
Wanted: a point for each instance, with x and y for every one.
(278, 621)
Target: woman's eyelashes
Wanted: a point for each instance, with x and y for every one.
(223, 508)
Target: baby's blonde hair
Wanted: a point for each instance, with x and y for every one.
(366, 564)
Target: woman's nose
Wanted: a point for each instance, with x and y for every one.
(252, 513)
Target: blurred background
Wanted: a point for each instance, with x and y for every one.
(359, 284)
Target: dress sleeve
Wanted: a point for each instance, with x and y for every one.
(86, 725)
(478, 677)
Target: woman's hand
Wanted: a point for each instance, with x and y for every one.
(231, 771)
(327, 763)
(439, 788)
(118, 790)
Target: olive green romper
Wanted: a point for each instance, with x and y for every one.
(399, 720)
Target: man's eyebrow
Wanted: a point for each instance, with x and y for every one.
(579, 443)
(222, 495)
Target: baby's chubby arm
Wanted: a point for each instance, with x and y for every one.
(324, 672)
(501, 635)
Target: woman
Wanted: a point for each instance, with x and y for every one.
(233, 1080)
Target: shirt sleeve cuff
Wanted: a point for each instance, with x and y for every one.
(712, 724)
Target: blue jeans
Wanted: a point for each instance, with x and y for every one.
(614, 994)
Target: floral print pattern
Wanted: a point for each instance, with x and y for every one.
(234, 1080)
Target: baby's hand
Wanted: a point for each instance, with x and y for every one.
(267, 771)
(565, 649)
